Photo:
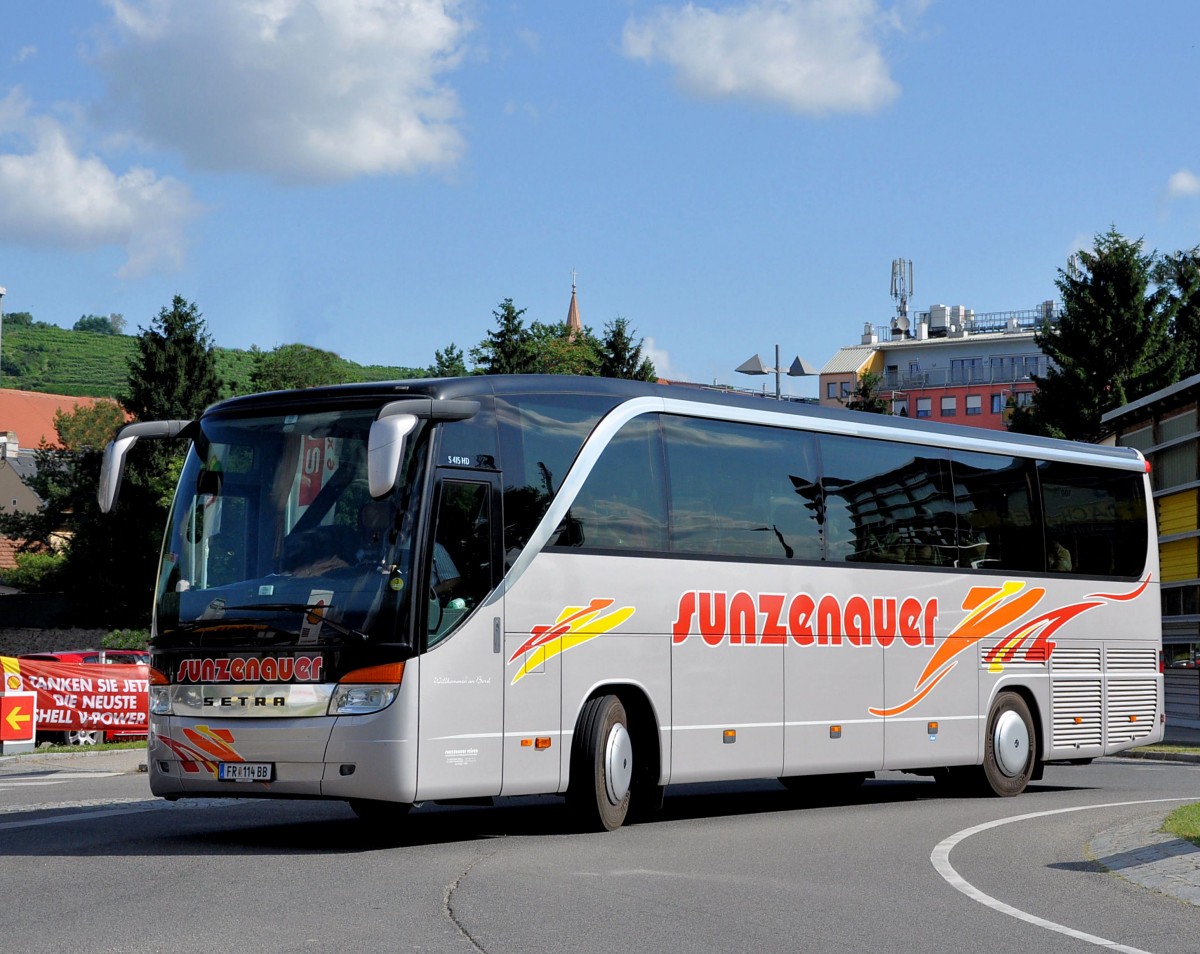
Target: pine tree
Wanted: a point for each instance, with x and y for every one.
(112, 559)
(620, 357)
(509, 349)
(448, 363)
(1112, 345)
(173, 375)
(1179, 274)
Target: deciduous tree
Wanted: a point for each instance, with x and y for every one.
(295, 366)
(866, 395)
(556, 348)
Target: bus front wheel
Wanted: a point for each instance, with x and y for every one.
(601, 765)
(1009, 747)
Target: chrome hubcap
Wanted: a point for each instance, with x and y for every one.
(618, 764)
(1010, 741)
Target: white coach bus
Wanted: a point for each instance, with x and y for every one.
(491, 586)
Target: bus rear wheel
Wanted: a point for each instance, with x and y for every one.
(601, 765)
(1009, 748)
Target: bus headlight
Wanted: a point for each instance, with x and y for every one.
(160, 700)
(363, 691)
(160, 693)
(359, 700)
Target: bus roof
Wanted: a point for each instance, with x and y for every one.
(838, 420)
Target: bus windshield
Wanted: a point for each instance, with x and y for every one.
(273, 526)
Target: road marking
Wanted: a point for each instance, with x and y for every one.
(56, 779)
(941, 861)
(141, 805)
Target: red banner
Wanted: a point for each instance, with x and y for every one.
(82, 695)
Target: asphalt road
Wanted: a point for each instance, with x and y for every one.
(89, 863)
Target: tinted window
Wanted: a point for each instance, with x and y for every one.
(1095, 520)
(887, 502)
(621, 505)
(742, 489)
(540, 435)
(460, 565)
(999, 526)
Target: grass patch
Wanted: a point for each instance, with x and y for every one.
(1169, 747)
(78, 749)
(1184, 823)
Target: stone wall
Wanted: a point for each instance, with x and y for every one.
(15, 641)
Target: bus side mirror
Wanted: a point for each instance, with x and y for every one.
(111, 471)
(385, 451)
(118, 449)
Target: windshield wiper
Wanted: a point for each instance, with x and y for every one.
(305, 608)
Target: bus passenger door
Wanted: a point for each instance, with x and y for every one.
(460, 749)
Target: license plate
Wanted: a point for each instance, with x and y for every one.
(245, 771)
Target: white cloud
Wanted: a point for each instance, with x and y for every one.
(25, 53)
(660, 358)
(1184, 184)
(811, 56)
(302, 90)
(52, 195)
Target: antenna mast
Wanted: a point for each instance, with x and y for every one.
(902, 287)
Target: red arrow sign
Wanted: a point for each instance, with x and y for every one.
(16, 717)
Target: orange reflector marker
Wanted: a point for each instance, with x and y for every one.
(1133, 718)
(389, 673)
(835, 731)
(542, 742)
(1078, 720)
(526, 743)
(158, 679)
(932, 728)
(729, 736)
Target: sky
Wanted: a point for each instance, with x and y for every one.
(373, 177)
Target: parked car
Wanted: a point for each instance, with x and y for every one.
(110, 656)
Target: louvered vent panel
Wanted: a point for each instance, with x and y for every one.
(1077, 711)
(1132, 708)
(1075, 659)
(1133, 660)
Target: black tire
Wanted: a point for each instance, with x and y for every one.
(371, 810)
(1009, 747)
(601, 766)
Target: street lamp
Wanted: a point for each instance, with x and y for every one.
(2, 292)
(798, 369)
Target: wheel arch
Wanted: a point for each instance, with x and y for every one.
(644, 728)
(1030, 698)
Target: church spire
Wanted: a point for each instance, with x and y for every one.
(573, 322)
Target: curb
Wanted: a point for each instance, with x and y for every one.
(1153, 756)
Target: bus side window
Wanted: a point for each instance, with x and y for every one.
(999, 513)
(887, 502)
(621, 505)
(460, 563)
(1095, 519)
(742, 490)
